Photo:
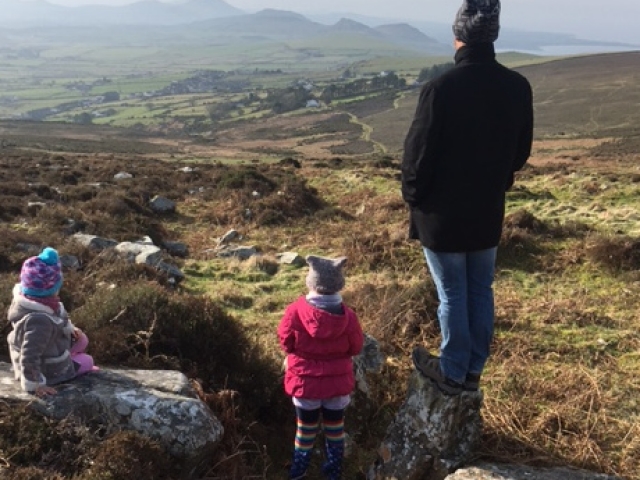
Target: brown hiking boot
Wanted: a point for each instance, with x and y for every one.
(429, 366)
(472, 382)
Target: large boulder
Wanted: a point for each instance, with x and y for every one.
(159, 404)
(432, 435)
(518, 472)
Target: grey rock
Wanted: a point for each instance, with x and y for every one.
(363, 404)
(70, 262)
(73, 226)
(432, 435)
(291, 258)
(228, 237)
(122, 176)
(187, 169)
(162, 205)
(171, 270)
(140, 253)
(146, 240)
(241, 253)
(34, 207)
(370, 360)
(161, 405)
(519, 472)
(176, 249)
(92, 241)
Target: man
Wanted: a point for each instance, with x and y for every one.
(472, 131)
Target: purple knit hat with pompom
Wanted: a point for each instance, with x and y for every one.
(41, 276)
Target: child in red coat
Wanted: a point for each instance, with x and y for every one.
(320, 335)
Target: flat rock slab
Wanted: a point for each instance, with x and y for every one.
(160, 404)
(519, 472)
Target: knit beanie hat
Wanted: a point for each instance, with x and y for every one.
(325, 274)
(41, 276)
(477, 21)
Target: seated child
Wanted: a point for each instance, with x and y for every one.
(45, 347)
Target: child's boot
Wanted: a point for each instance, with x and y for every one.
(332, 467)
(300, 464)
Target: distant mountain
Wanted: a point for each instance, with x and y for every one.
(199, 20)
(410, 37)
(266, 24)
(510, 39)
(19, 14)
(284, 25)
(346, 25)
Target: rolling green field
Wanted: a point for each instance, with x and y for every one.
(54, 76)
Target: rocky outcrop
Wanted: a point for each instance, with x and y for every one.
(519, 472)
(142, 252)
(432, 435)
(159, 404)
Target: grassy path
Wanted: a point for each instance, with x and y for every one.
(367, 130)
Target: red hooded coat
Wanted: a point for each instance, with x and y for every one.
(319, 345)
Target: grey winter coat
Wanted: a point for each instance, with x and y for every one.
(39, 343)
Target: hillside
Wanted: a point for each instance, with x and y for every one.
(594, 95)
(590, 96)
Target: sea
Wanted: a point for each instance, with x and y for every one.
(561, 50)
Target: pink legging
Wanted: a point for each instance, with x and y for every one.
(84, 361)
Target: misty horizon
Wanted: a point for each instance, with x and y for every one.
(583, 19)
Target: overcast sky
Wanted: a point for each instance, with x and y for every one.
(613, 20)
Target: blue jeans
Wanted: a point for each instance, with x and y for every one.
(466, 312)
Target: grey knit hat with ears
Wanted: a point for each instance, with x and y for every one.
(325, 274)
(477, 21)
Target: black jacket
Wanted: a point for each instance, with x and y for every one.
(472, 130)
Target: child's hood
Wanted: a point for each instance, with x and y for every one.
(22, 306)
(320, 323)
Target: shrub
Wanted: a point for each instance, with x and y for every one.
(55, 445)
(617, 254)
(128, 455)
(145, 326)
(396, 315)
(245, 178)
